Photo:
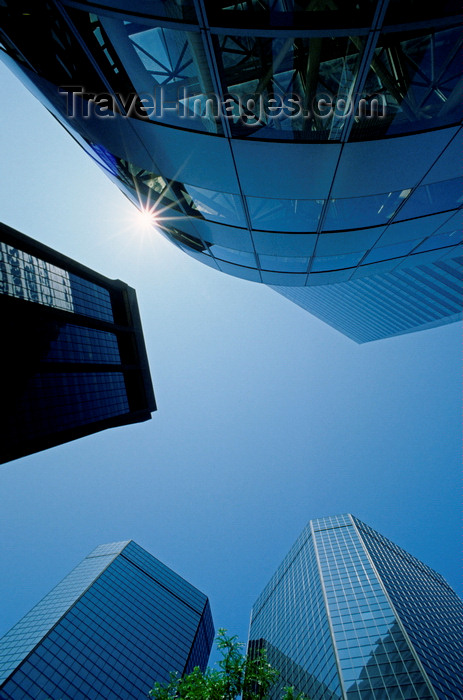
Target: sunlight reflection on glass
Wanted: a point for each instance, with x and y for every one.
(145, 218)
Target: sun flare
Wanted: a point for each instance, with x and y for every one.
(145, 218)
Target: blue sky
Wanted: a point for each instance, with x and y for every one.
(266, 416)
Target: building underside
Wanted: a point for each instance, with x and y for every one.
(297, 144)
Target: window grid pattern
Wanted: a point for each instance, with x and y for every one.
(124, 633)
(375, 658)
(200, 650)
(83, 344)
(388, 304)
(91, 299)
(25, 276)
(409, 72)
(22, 638)
(289, 620)
(356, 232)
(429, 609)
(411, 80)
(57, 401)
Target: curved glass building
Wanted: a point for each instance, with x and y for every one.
(289, 142)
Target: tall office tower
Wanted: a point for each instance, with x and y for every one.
(411, 298)
(72, 358)
(291, 143)
(349, 615)
(120, 621)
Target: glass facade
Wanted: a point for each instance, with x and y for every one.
(405, 300)
(293, 144)
(73, 359)
(120, 621)
(349, 615)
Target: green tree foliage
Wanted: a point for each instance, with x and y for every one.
(238, 675)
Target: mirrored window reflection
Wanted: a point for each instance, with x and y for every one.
(291, 13)
(430, 199)
(288, 88)
(186, 241)
(347, 241)
(441, 240)
(336, 262)
(168, 196)
(357, 212)
(215, 206)
(284, 214)
(277, 263)
(415, 78)
(286, 245)
(238, 257)
(164, 69)
(391, 251)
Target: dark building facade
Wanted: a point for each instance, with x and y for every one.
(291, 143)
(120, 621)
(349, 615)
(73, 359)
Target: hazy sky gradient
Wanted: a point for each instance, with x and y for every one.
(266, 416)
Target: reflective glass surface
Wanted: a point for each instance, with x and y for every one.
(22, 638)
(284, 214)
(25, 276)
(356, 212)
(387, 303)
(162, 71)
(430, 199)
(373, 654)
(288, 88)
(81, 344)
(416, 76)
(263, 70)
(129, 622)
(429, 609)
(56, 401)
(289, 619)
(71, 345)
(326, 608)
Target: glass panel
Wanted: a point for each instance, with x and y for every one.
(442, 240)
(430, 199)
(162, 74)
(228, 236)
(347, 241)
(284, 214)
(288, 88)
(284, 244)
(216, 206)
(336, 262)
(234, 256)
(416, 79)
(280, 264)
(166, 197)
(363, 211)
(391, 251)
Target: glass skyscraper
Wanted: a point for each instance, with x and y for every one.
(289, 143)
(72, 358)
(412, 298)
(349, 615)
(120, 621)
